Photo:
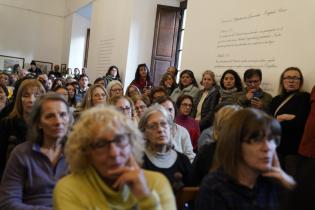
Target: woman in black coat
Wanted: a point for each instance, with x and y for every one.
(206, 100)
(290, 108)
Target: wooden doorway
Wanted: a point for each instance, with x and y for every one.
(167, 24)
(87, 45)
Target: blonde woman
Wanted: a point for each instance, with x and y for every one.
(95, 95)
(13, 128)
(104, 152)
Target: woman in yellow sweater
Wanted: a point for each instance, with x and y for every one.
(104, 151)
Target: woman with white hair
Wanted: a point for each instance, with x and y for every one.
(104, 152)
(155, 124)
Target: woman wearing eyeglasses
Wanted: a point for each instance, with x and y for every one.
(246, 174)
(125, 105)
(115, 88)
(290, 108)
(104, 152)
(184, 105)
(253, 95)
(156, 124)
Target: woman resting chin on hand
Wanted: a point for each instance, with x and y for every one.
(103, 151)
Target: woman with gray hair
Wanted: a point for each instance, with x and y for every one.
(104, 152)
(155, 124)
(35, 166)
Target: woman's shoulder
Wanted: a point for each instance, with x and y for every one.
(71, 182)
(215, 181)
(304, 94)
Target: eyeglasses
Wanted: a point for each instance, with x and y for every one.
(116, 90)
(125, 109)
(292, 78)
(99, 95)
(120, 141)
(186, 105)
(140, 107)
(252, 81)
(154, 126)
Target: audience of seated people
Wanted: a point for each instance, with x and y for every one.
(238, 156)
(35, 166)
(104, 152)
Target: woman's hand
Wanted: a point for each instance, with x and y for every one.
(277, 173)
(285, 117)
(133, 176)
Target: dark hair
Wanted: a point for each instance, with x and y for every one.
(33, 63)
(191, 75)
(55, 83)
(98, 80)
(157, 89)
(249, 73)
(281, 88)
(83, 75)
(243, 125)
(164, 77)
(72, 101)
(113, 67)
(15, 67)
(183, 97)
(34, 133)
(137, 74)
(8, 75)
(238, 81)
(176, 70)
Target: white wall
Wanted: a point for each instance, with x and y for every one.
(124, 40)
(54, 8)
(110, 24)
(217, 44)
(32, 30)
(73, 5)
(78, 37)
(142, 34)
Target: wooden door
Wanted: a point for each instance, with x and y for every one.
(165, 40)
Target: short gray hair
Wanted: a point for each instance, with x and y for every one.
(152, 110)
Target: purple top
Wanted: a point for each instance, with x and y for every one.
(29, 179)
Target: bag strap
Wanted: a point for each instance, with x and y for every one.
(283, 103)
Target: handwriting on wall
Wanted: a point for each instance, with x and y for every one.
(104, 58)
(234, 39)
